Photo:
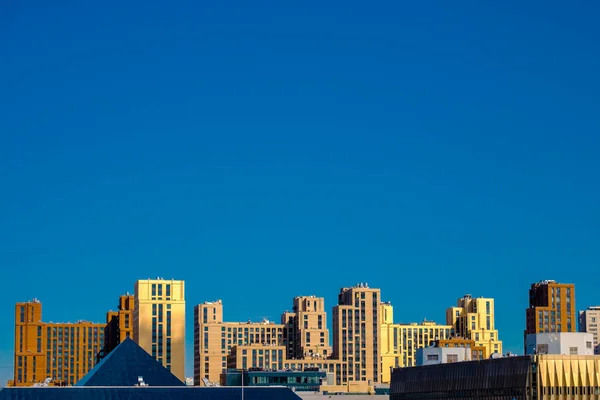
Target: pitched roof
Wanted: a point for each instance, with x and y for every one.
(123, 366)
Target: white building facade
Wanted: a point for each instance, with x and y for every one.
(442, 355)
(560, 343)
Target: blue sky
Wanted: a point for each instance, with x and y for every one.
(266, 150)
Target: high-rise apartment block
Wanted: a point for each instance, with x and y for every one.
(473, 319)
(119, 324)
(159, 322)
(305, 332)
(64, 352)
(551, 308)
(588, 322)
(356, 332)
(399, 342)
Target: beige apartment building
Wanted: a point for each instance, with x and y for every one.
(305, 329)
(300, 341)
(159, 321)
(588, 322)
(214, 338)
(473, 319)
(356, 332)
(399, 342)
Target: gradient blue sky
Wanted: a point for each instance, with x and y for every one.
(429, 148)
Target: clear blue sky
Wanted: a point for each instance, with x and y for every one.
(262, 150)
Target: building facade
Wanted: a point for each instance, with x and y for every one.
(119, 324)
(64, 352)
(588, 322)
(441, 355)
(399, 342)
(300, 381)
(214, 339)
(305, 331)
(300, 341)
(519, 378)
(551, 308)
(561, 343)
(473, 319)
(159, 322)
(356, 333)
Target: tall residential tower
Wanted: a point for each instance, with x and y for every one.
(159, 322)
(356, 331)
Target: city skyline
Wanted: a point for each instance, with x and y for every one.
(189, 333)
(430, 149)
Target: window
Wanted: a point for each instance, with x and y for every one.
(573, 351)
(451, 358)
(542, 348)
(168, 290)
(588, 345)
(432, 357)
(154, 289)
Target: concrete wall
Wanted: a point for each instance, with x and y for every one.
(560, 343)
(439, 355)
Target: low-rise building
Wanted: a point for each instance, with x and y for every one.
(451, 350)
(300, 381)
(529, 377)
(560, 343)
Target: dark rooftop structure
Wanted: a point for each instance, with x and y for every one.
(308, 380)
(147, 393)
(125, 365)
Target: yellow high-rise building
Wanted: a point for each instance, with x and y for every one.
(399, 342)
(64, 352)
(473, 318)
(159, 322)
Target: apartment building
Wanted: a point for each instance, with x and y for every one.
(588, 322)
(214, 339)
(399, 342)
(300, 341)
(473, 319)
(551, 308)
(64, 352)
(119, 324)
(305, 331)
(356, 333)
(159, 321)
